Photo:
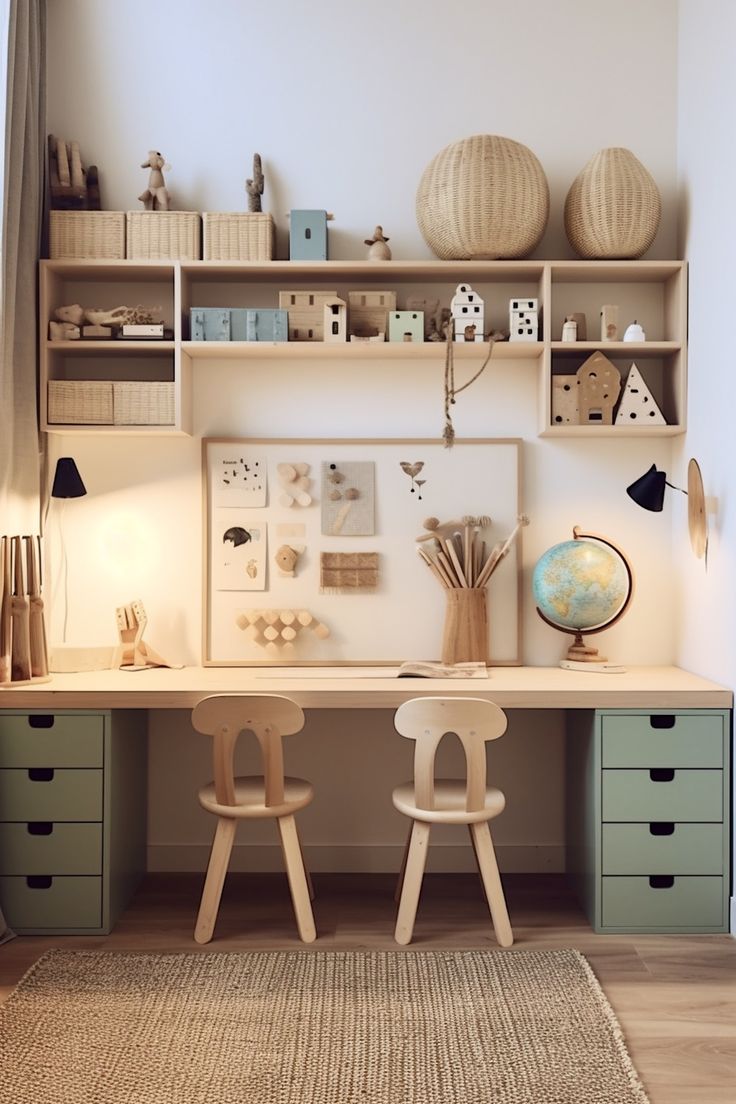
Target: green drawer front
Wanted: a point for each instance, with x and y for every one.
(691, 795)
(692, 741)
(64, 903)
(689, 849)
(47, 848)
(690, 902)
(71, 741)
(66, 795)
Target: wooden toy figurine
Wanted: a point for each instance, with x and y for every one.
(378, 249)
(156, 196)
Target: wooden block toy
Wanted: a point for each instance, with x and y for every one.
(266, 325)
(209, 324)
(335, 321)
(565, 400)
(305, 310)
(275, 629)
(368, 312)
(467, 311)
(599, 385)
(406, 325)
(524, 326)
(308, 235)
(295, 484)
(638, 406)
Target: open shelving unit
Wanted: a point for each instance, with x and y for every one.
(652, 292)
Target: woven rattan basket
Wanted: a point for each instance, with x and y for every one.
(483, 196)
(613, 207)
(143, 403)
(237, 236)
(163, 235)
(80, 402)
(86, 235)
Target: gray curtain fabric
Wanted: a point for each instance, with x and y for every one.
(25, 142)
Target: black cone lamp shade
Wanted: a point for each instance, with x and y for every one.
(67, 480)
(648, 490)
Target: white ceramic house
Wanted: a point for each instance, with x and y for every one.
(335, 320)
(467, 309)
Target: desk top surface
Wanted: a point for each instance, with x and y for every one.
(372, 688)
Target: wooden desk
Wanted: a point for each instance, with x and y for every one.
(647, 780)
(372, 688)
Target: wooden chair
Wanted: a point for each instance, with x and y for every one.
(429, 800)
(268, 717)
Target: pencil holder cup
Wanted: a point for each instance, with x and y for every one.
(465, 637)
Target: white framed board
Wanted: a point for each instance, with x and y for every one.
(310, 550)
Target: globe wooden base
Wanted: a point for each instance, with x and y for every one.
(581, 652)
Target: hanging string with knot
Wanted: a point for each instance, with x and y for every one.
(448, 434)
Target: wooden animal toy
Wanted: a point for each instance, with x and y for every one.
(378, 249)
(156, 196)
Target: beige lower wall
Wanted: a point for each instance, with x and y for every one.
(354, 759)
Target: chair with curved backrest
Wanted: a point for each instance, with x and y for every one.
(268, 717)
(429, 800)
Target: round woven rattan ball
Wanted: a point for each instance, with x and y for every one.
(481, 197)
(613, 207)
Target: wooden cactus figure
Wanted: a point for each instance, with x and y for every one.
(254, 187)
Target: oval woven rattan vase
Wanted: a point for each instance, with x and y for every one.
(483, 197)
(613, 207)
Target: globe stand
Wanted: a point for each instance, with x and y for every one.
(582, 656)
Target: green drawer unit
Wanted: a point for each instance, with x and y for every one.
(662, 848)
(72, 818)
(647, 809)
(69, 904)
(663, 904)
(42, 846)
(51, 740)
(662, 794)
(45, 793)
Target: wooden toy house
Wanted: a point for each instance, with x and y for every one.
(308, 235)
(406, 325)
(467, 309)
(335, 320)
(306, 313)
(368, 312)
(523, 320)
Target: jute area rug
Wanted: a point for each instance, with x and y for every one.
(313, 1027)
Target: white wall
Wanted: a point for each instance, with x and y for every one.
(707, 80)
(347, 104)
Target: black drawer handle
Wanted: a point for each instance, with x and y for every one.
(41, 720)
(661, 881)
(40, 828)
(661, 828)
(662, 774)
(663, 720)
(39, 881)
(41, 774)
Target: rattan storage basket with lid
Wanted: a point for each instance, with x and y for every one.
(483, 197)
(613, 207)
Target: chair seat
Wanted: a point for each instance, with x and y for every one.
(449, 800)
(250, 798)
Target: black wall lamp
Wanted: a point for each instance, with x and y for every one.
(648, 492)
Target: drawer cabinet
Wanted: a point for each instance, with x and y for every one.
(648, 818)
(72, 818)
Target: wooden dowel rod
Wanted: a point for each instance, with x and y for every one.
(456, 562)
(444, 560)
(431, 566)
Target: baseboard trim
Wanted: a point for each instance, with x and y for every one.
(358, 858)
(733, 916)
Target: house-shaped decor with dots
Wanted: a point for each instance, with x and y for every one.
(467, 309)
(637, 405)
(406, 325)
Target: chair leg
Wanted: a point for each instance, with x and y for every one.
(488, 867)
(402, 871)
(308, 876)
(297, 878)
(222, 845)
(413, 874)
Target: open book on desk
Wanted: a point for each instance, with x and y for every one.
(427, 669)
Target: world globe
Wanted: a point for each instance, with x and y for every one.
(582, 585)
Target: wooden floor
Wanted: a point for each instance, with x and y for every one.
(675, 996)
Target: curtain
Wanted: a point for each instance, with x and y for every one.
(23, 105)
(23, 184)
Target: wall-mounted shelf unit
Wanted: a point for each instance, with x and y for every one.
(652, 292)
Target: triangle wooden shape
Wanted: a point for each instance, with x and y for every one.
(638, 406)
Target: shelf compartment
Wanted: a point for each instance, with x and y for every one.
(382, 350)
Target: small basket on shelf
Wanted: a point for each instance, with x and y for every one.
(163, 235)
(143, 403)
(87, 235)
(80, 402)
(238, 236)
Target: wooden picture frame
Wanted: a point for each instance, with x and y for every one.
(386, 609)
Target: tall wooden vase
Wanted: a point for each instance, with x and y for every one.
(465, 638)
